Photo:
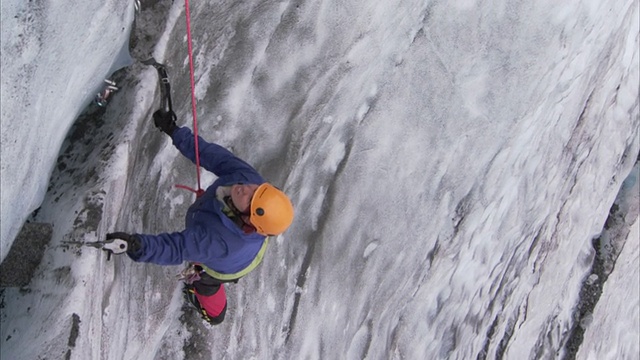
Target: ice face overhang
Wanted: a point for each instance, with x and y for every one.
(51, 69)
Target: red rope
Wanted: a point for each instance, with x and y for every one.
(199, 191)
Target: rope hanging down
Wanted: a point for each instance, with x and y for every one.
(165, 93)
(199, 191)
(165, 90)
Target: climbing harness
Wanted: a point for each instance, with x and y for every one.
(234, 277)
(193, 270)
(190, 274)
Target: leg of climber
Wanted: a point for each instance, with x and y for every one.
(208, 296)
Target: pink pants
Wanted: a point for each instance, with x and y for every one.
(215, 304)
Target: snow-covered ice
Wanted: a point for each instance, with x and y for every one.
(450, 164)
(54, 59)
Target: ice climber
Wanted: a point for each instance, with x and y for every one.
(227, 227)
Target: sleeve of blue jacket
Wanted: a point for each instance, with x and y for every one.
(213, 157)
(192, 244)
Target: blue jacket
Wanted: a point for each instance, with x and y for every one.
(210, 237)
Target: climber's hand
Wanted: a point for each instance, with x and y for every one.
(120, 242)
(165, 121)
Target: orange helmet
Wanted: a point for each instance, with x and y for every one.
(271, 210)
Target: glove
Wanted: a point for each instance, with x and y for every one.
(119, 243)
(165, 121)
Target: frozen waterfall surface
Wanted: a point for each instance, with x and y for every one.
(451, 164)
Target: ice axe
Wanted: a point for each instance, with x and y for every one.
(165, 86)
(110, 245)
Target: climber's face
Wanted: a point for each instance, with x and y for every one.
(241, 195)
